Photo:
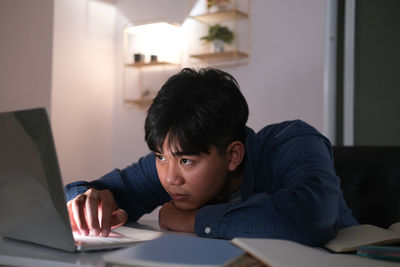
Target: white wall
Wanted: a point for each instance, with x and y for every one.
(83, 86)
(284, 79)
(26, 32)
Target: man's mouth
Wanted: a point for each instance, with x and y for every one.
(178, 197)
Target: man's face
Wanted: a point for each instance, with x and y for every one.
(191, 180)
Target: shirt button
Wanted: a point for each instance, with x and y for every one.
(207, 230)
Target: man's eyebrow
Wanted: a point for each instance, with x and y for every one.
(182, 153)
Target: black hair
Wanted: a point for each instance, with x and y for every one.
(196, 110)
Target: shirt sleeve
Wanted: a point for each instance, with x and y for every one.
(304, 208)
(136, 189)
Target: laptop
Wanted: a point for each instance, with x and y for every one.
(32, 201)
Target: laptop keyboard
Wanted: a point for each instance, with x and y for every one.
(112, 239)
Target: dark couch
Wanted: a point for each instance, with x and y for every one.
(370, 179)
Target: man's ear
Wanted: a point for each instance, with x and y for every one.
(235, 153)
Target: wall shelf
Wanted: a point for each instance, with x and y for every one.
(221, 56)
(149, 64)
(144, 77)
(141, 102)
(236, 18)
(220, 16)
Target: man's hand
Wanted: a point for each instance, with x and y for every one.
(172, 218)
(95, 212)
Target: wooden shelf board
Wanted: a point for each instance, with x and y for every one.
(142, 102)
(219, 16)
(142, 64)
(221, 56)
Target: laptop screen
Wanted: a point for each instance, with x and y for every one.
(32, 201)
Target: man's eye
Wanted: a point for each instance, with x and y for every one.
(186, 161)
(160, 158)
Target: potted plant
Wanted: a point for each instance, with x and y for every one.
(217, 5)
(219, 35)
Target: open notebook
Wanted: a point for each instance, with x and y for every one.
(32, 200)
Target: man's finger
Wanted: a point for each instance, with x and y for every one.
(91, 208)
(119, 218)
(78, 205)
(71, 218)
(106, 217)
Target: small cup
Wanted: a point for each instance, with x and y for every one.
(137, 58)
(153, 58)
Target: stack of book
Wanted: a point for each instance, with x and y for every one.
(185, 250)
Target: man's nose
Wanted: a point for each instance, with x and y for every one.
(174, 176)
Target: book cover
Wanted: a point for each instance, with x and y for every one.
(349, 238)
(389, 253)
(177, 250)
(285, 253)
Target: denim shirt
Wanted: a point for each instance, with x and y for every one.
(289, 191)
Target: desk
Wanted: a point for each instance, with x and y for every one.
(14, 253)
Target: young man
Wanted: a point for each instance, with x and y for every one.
(216, 177)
